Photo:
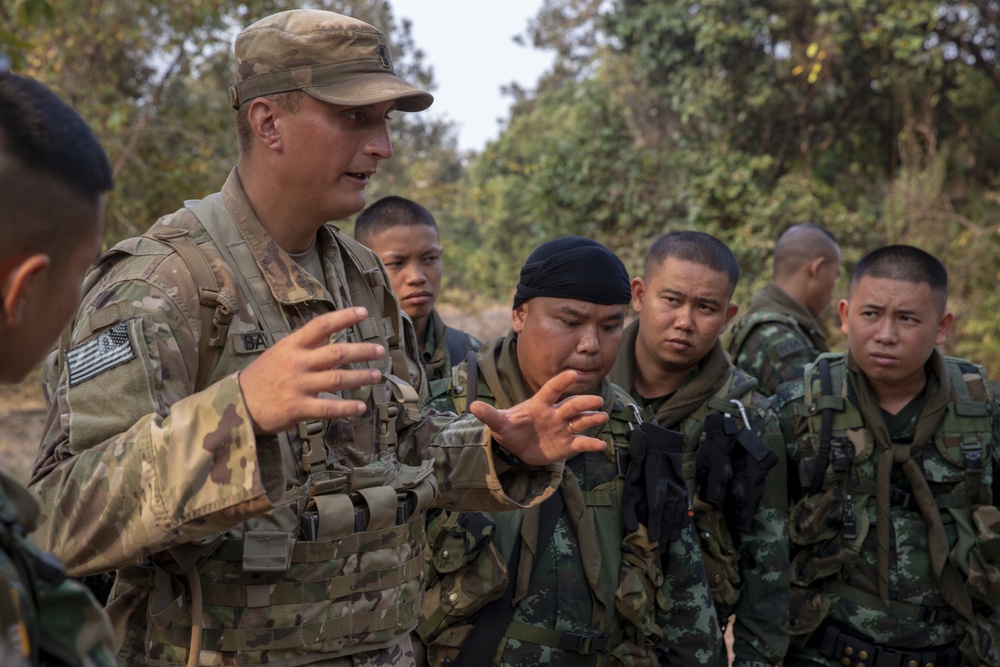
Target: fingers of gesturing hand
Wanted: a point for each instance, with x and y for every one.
(281, 387)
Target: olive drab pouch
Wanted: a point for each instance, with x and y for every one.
(807, 608)
(980, 642)
(977, 553)
(720, 555)
(655, 494)
(468, 570)
(640, 583)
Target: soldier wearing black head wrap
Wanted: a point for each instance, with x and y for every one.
(568, 583)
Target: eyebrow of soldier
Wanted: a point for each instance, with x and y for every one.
(572, 311)
(708, 301)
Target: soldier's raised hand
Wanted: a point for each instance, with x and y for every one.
(543, 429)
(282, 386)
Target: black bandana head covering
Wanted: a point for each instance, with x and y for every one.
(574, 267)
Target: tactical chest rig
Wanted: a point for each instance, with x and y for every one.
(476, 579)
(725, 465)
(338, 568)
(829, 525)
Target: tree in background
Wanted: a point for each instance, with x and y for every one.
(876, 119)
(153, 78)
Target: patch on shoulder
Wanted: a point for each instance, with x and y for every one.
(790, 346)
(112, 348)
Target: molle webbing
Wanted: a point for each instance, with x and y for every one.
(244, 611)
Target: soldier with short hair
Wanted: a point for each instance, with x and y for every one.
(673, 365)
(781, 332)
(894, 460)
(605, 572)
(54, 180)
(405, 236)
(234, 424)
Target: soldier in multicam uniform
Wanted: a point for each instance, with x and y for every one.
(404, 235)
(673, 365)
(588, 591)
(893, 520)
(233, 424)
(780, 332)
(54, 177)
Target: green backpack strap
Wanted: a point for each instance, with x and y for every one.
(217, 305)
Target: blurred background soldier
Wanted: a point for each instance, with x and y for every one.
(673, 365)
(894, 451)
(584, 578)
(405, 237)
(781, 331)
(234, 425)
(54, 179)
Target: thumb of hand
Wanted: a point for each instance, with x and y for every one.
(486, 413)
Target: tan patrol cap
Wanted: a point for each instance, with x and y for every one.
(331, 57)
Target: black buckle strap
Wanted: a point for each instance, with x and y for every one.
(585, 643)
(852, 650)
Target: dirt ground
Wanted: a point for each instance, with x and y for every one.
(22, 407)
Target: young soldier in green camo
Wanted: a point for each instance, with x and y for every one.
(893, 453)
(591, 590)
(235, 430)
(54, 177)
(673, 365)
(405, 237)
(780, 331)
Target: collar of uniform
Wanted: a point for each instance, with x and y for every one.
(288, 282)
(436, 343)
(623, 373)
(773, 297)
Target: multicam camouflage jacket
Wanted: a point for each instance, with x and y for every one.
(45, 618)
(143, 472)
(643, 603)
(442, 342)
(747, 570)
(833, 521)
(774, 339)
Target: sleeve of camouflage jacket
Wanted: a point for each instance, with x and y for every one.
(769, 340)
(469, 477)
(691, 628)
(760, 636)
(130, 463)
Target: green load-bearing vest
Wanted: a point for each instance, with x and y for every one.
(828, 528)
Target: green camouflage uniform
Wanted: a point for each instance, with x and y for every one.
(45, 618)
(573, 588)
(774, 339)
(748, 572)
(936, 463)
(143, 473)
(436, 353)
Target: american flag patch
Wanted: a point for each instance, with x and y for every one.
(111, 348)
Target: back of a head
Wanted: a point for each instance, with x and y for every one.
(574, 267)
(388, 212)
(903, 263)
(51, 164)
(697, 248)
(799, 244)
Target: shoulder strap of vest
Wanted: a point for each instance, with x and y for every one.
(378, 297)
(738, 334)
(217, 306)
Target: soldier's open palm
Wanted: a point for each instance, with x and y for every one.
(282, 386)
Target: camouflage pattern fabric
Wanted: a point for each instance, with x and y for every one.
(834, 567)
(663, 590)
(759, 575)
(135, 462)
(45, 618)
(437, 359)
(774, 339)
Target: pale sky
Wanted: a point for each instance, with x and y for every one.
(469, 43)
